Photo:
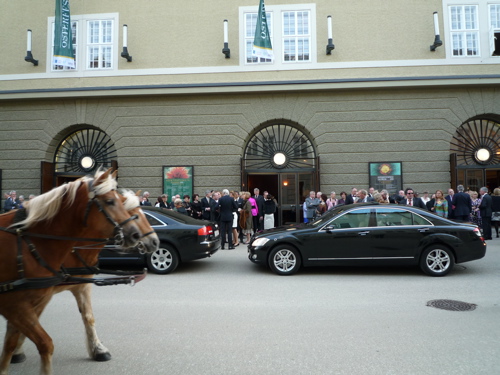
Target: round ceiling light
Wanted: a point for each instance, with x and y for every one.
(483, 155)
(87, 162)
(279, 159)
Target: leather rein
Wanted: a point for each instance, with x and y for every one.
(23, 283)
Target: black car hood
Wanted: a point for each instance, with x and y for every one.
(281, 229)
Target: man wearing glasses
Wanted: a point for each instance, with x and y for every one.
(411, 200)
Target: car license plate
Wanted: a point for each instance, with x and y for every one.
(216, 233)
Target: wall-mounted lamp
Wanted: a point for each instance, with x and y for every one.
(226, 51)
(330, 46)
(29, 56)
(285, 183)
(125, 54)
(437, 40)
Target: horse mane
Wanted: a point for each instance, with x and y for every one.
(131, 200)
(44, 207)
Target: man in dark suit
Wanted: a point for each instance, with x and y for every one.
(449, 198)
(364, 197)
(11, 203)
(410, 200)
(206, 205)
(462, 204)
(227, 205)
(259, 222)
(486, 211)
(353, 197)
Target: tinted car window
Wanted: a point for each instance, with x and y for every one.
(153, 221)
(352, 219)
(387, 217)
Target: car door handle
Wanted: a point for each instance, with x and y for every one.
(422, 230)
(363, 233)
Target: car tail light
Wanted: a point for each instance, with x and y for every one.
(478, 233)
(205, 231)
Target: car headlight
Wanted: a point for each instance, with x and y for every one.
(260, 242)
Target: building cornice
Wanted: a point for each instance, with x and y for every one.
(252, 87)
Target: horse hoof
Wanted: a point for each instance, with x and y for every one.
(102, 357)
(18, 358)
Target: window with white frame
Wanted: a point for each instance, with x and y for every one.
(296, 36)
(94, 42)
(250, 25)
(473, 29)
(494, 34)
(99, 44)
(464, 30)
(74, 32)
(291, 32)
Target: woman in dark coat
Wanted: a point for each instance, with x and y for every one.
(196, 207)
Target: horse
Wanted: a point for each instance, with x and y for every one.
(34, 243)
(87, 259)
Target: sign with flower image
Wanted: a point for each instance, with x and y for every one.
(386, 175)
(177, 180)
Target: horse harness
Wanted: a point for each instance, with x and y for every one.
(23, 283)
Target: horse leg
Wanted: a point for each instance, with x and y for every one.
(9, 346)
(29, 325)
(96, 349)
(18, 356)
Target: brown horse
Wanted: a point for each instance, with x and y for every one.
(88, 258)
(33, 250)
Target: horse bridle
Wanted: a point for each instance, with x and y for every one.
(118, 227)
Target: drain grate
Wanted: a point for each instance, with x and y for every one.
(451, 305)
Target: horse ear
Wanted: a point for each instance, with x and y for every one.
(102, 177)
(114, 174)
(138, 193)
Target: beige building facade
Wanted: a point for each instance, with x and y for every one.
(381, 95)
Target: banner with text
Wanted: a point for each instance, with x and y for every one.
(63, 38)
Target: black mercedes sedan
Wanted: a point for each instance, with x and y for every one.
(182, 239)
(369, 234)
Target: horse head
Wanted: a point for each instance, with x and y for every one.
(149, 241)
(105, 210)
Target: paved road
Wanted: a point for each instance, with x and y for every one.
(225, 315)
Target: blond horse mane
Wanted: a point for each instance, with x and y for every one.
(45, 207)
(131, 200)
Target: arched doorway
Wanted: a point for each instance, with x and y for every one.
(79, 153)
(475, 153)
(280, 158)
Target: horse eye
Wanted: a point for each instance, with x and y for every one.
(110, 202)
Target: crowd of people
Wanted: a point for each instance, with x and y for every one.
(238, 213)
(13, 202)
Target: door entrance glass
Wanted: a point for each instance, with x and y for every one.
(289, 198)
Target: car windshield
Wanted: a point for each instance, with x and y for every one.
(327, 216)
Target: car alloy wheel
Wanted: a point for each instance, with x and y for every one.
(163, 261)
(437, 261)
(284, 260)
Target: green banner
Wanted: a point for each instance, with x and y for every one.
(262, 40)
(63, 38)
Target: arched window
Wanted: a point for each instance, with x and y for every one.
(279, 148)
(84, 151)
